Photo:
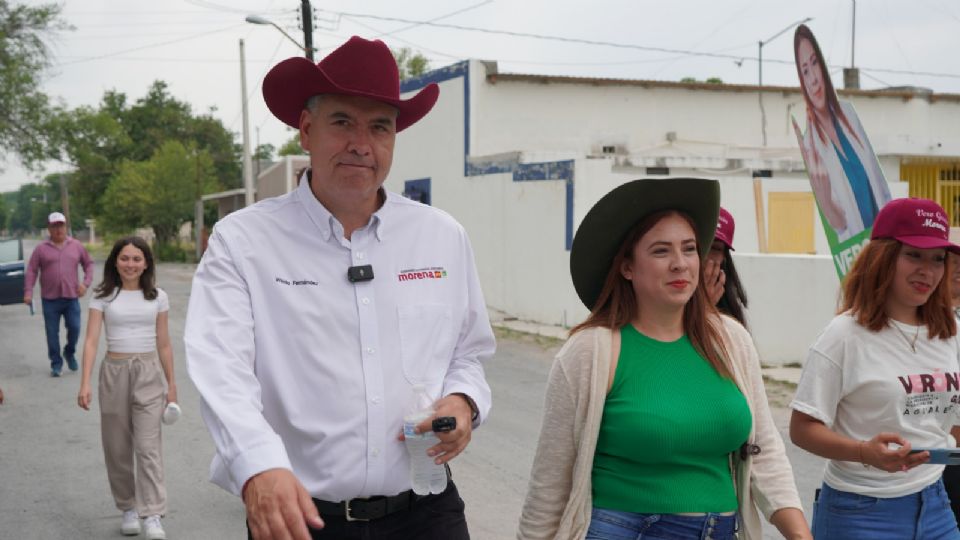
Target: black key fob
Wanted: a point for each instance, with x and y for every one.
(444, 424)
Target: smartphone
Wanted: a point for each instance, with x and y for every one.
(941, 456)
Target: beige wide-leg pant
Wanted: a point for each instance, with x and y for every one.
(132, 394)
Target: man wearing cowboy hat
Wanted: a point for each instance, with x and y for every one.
(314, 314)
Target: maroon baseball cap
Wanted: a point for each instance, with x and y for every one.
(725, 227)
(920, 223)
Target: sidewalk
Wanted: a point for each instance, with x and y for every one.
(789, 375)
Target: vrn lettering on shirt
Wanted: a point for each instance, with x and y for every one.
(930, 382)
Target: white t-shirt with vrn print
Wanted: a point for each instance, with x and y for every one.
(130, 320)
(860, 383)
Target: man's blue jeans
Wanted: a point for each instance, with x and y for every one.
(69, 309)
(924, 515)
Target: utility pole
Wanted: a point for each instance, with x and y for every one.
(247, 165)
(65, 202)
(306, 14)
(851, 75)
(198, 211)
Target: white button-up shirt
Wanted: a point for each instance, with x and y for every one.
(301, 369)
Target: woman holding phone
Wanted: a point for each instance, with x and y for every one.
(881, 379)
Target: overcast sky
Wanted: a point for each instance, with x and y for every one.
(193, 44)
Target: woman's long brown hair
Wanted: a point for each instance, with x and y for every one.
(868, 284)
(833, 103)
(616, 306)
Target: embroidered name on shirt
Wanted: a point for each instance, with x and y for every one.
(295, 282)
(436, 272)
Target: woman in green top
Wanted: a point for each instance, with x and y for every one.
(656, 423)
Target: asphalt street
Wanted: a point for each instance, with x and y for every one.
(53, 482)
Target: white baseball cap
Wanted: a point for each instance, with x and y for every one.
(56, 217)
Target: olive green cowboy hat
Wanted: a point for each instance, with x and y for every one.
(606, 225)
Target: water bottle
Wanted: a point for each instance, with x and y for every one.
(426, 476)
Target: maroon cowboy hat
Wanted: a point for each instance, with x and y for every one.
(357, 68)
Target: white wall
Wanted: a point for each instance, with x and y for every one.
(518, 228)
(563, 115)
(791, 298)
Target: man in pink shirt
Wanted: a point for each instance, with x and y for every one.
(57, 260)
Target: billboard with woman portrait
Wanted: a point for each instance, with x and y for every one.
(845, 175)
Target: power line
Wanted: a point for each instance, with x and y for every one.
(581, 41)
(180, 60)
(448, 15)
(161, 44)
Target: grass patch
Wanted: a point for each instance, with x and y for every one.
(779, 393)
(546, 342)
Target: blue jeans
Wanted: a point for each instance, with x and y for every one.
(69, 309)
(619, 525)
(924, 515)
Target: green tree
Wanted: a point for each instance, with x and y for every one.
(160, 192)
(292, 147)
(24, 109)
(33, 203)
(409, 63)
(4, 214)
(264, 152)
(96, 141)
(208, 133)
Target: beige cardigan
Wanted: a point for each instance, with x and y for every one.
(558, 503)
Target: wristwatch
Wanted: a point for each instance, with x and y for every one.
(473, 405)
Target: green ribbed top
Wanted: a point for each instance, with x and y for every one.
(669, 424)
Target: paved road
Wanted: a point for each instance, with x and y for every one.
(52, 478)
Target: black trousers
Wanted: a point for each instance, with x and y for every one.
(434, 517)
(951, 481)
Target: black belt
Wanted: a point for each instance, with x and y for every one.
(371, 508)
(368, 509)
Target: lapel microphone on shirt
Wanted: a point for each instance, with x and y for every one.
(360, 273)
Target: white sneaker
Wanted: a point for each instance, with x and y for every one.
(154, 529)
(131, 523)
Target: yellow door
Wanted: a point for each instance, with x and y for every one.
(791, 222)
(935, 179)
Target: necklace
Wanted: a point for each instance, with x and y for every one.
(912, 343)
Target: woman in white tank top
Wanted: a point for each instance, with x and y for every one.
(136, 382)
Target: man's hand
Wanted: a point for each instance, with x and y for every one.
(81, 290)
(451, 442)
(714, 280)
(27, 299)
(278, 507)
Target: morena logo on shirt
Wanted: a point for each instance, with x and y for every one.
(434, 272)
